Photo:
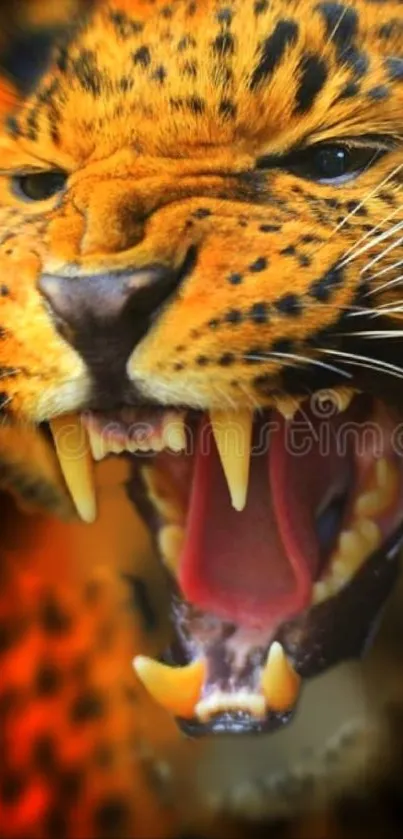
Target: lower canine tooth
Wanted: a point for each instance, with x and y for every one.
(279, 681)
(72, 448)
(233, 436)
(170, 539)
(177, 689)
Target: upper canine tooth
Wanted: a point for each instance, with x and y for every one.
(233, 436)
(73, 451)
(177, 689)
(279, 681)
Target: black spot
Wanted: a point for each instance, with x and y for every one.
(87, 706)
(52, 618)
(272, 51)
(166, 12)
(289, 250)
(202, 212)
(186, 42)
(394, 68)
(191, 9)
(224, 16)
(44, 754)
(356, 208)
(70, 784)
(88, 74)
(333, 203)
(227, 109)
(341, 24)
(190, 69)
(12, 786)
(282, 345)
(357, 61)
(159, 75)
(202, 360)
(259, 264)
(142, 602)
(124, 26)
(13, 126)
(223, 44)
(313, 77)
(48, 679)
(289, 304)
(4, 291)
(304, 260)
(125, 83)
(233, 316)
(142, 56)
(226, 359)
(259, 312)
(8, 636)
(179, 366)
(213, 323)
(322, 289)
(269, 228)
(195, 104)
(56, 823)
(111, 818)
(235, 279)
(378, 93)
(349, 90)
(393, 28)
(260, 6)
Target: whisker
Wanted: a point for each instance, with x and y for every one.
(373, 230)
(374, 364)
(389, 284)
(376, 241)
(383, 253)
(301, 359)
(367, 197)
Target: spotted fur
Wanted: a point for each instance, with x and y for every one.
(173, 122)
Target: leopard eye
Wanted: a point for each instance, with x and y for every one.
(332, 163)
(40, 186)
(329, 163)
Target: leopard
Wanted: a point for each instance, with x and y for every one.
(201, 423)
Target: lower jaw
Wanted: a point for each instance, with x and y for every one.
(226, 675)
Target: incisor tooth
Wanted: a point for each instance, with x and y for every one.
(287, 407)
(343, 398)
(177, 689)
(279, 681)
(233, 436)
(174, 435)
(73, 451)
(96, 443)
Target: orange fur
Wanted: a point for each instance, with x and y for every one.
(146, 156)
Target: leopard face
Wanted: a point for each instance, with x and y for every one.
(201, 250)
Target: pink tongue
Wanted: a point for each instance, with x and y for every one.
(257, 567)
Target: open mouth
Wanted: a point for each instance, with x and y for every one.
(279, 532)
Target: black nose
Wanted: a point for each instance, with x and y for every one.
(104, 316)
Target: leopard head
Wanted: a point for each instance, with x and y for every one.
(201, 250)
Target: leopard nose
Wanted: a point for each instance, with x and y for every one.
(104, 300)
(104, 316)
